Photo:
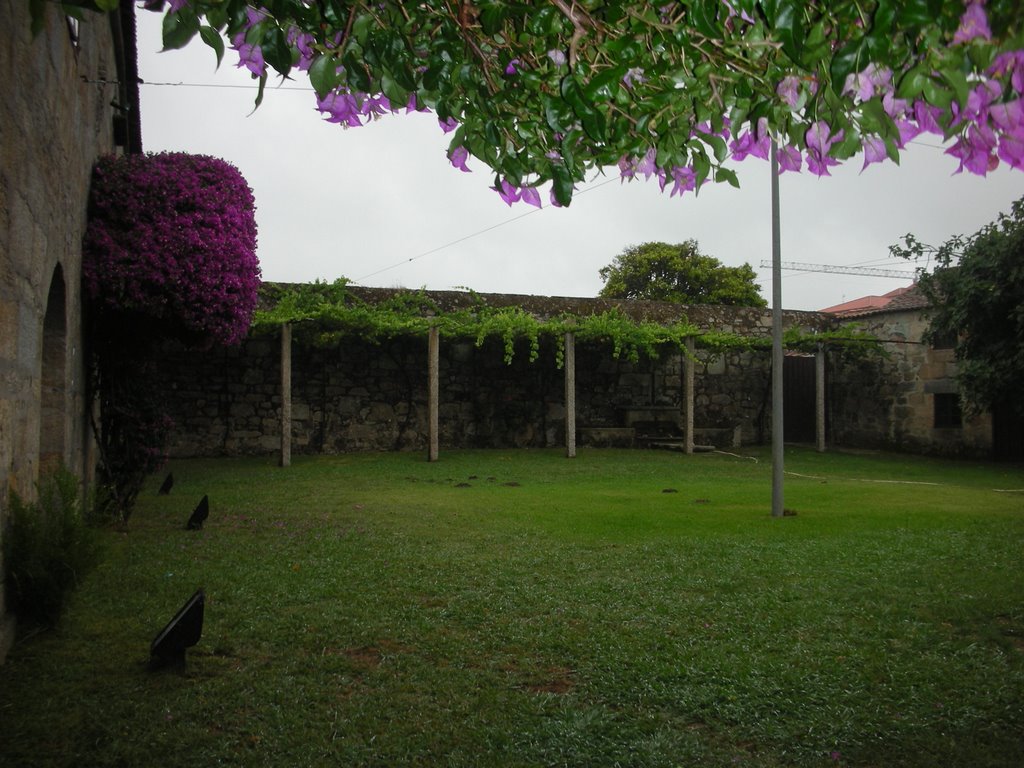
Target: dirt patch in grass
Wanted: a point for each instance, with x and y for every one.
(557, 680)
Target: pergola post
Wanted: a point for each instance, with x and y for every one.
(433, 391)
(819, 398)
(688, 373)
(569, 361)
(286, 395)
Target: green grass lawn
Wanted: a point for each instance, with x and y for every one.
(624, 608)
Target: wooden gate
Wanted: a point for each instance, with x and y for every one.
(798, 398)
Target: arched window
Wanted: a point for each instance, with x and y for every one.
(53, 379)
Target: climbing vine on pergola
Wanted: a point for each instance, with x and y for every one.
(327, 313)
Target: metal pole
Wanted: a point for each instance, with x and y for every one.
(777, 358)
(569, 362)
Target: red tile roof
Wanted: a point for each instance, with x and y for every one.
(904, 298)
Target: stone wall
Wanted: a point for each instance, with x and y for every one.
(360, 396)
(889, 401)
(54, 125)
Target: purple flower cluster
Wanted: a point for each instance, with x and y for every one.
(173, 236)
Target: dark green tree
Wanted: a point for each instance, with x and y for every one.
(678, 273)
(976, 293)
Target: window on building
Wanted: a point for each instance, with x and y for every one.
(944, 341)
(947, 411)
(74, 30)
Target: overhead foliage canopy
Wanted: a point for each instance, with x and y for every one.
(681, 274)
(678, 91)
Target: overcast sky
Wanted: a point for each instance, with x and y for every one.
(382, 206)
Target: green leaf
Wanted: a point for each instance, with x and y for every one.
(553, 113)
(213, 39)
(179, 28)
(259, 93)
(276, 51)
(605, 84)
(703, 14)
(355, 71)
(914, 13)
(396, 94)
(958, 82)
(718, 145)
(789, 26)
(593, 120)
(492, 17)
(848, 59)
(936, 94)
(913, 82)
(596, 126)
(323, 75)
(727, 175)
(561, 183)
(106, 5)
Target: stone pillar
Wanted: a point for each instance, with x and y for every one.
(286, 395)
(433, 391)
(819, 398)
(688, 370)
(569, 362)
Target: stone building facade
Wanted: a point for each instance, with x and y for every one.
(906, 399)
(57, 91)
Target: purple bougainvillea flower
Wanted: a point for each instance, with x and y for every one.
(448, 125)
(1012, 63)
(558, 57)
(874, 151)
(789, 159)
(458, 158)
(172, 237)
(976, 150)
(1011, 151)
(251, 57)
(633, 75)
(513, 66)
(756, 142)
(530, 196)
(870, 81)
(1009, 116)
(788, 90)
(684, 180)
(627, 168)
(303, 43)
(820, 139)
(507, 192)
(647, 165)
(732, 12)
(927, 117)
(974, 23)
(342, 108)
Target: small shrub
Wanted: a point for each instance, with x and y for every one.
(47, 548)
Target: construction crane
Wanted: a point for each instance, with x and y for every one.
(864, 271)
